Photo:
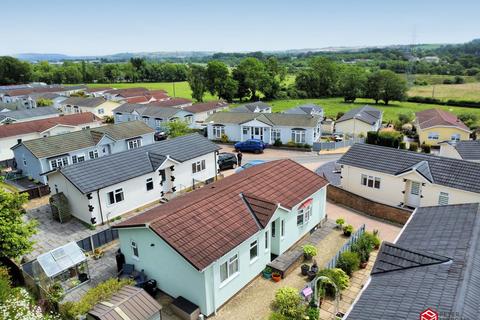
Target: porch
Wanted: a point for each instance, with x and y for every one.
(256, 131)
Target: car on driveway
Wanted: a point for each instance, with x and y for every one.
(250, 145)
(249, 164)
(227, 161)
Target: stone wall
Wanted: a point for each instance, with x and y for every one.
(369, 207)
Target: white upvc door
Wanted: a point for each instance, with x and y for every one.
(414, 194)
(257, 133)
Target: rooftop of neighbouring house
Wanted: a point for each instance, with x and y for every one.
(148, 110)
(205, 224)
(28, 113)
(63, 143)
(438, 118)
(88, 102)
(366, 114)
(98, 89)
(206, 106)
(105, 171)
(435, 263)
(15, 129)
(173, 102)
(468, 149)
(453, 173)
(305, 109)
(251, 107)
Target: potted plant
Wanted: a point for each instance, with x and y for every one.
(267, 272)
(314, 267)
(309, 251)
(311, 275)
(376, 239)
(348, 230)
(340, 222)
(276, 276)
(305, 268)
(97, 254)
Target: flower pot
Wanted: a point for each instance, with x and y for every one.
(307, 257)
(363, 265)
(305, 268)
(311, 275)
(314, 268)
(276, 277)
(266, 275)
(347, 233)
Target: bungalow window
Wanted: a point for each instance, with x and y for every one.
(134, 249)
(377, 183)
(275, 134)
(158, 122)
(253, 250)
(115, 196)
(174, 119)
(189, 119)
(304, 215)
(135, 143)
(456, 137)
(229, 268)
(266, 240)
(245, 130)
(145, 119)
(298, 135)
(282, 228)
(149, 184)
(101, 111)
(443, 199)
(370, 181)
(93, 154)
(433, 136)
(58, 163)
(198, 166)
(78, 158)
(218, 131)
(273, 229)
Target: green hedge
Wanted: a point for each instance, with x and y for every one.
(451, 102)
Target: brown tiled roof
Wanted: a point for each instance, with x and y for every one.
(15, 129)
(22, 92)
(205, 224)
(128, 92)
(206, 106)
(261, 208)
(98, 89)
(138, 99)
(172, 102)
(437, 117)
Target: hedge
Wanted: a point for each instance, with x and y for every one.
(455, 103)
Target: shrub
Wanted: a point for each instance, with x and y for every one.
(348, 262)
(312, 313)
(277, 143)
(340, 222)
(403, 145)
(224, 138)
(338, 276)
(5, 283)
(363, 246)
(309, 250)
(307, 146)
(291, 144)
(426, 148)
(372, 137)
(458, 80)
(288, 303)
(413, 146)
(277, 316)
(447, 81)
(299, 145)
(71, 310)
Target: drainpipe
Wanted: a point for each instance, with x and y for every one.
(216, 164)
(100, 206)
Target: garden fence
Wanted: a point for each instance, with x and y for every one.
(98, 239)
(318, 146)
(353, 238)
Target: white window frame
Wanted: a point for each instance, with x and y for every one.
(93, 154)
(282, 229)
(77, 158)
(298, 136)
(443, 198)
(231, 268)
(306, 214)
(198, 166)
(370, 181)
(218, 131)
(253, 246)
(245, 130)
(115, 193)
(276, 134)
(134, 247)
(456, 137)
(433, 136)
(188, 119)
(101, 111)
(59, 162)
(134, 143)
(267, 240)
(158, 122)
(147, 182)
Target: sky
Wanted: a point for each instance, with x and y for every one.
(99, 27)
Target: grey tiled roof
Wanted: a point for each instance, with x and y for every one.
(446, 279)
(304, 109)
(468, 150)
(105, 171)
(149, 110)
(453, 173)
(28, 113)
(250, 107)
(366, 114)
(63, 143)
(90, 102)
(272, 119)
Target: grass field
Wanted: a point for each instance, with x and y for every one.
(466, 91)
(438, 78)
(332, 106)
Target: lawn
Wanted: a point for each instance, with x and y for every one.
(332, 106)
(466, 91)
(182, 89)
(8, 187)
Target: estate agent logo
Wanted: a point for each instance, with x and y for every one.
(429, 314)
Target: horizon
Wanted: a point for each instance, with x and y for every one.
(107, 27)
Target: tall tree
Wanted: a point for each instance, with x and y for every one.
(394, 87)
(249, 74)
(373, 88)
(198, 81)
(352, 83)
(320, 79)
(216, 74)
(14, 71)
(15, 232)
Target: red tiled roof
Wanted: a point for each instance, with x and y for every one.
(205, 224)
(15, 129)
(129, 91)
(206, 106)
(172, 102)
(98, 89)
(139, 99)
(23, 92)
(437, 117)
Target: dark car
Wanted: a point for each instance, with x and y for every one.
(160, 135)
(227, 161)
(251, 145)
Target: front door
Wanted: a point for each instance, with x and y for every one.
(257, 133)
(414, 194)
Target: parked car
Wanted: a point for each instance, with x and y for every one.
(227, 161)
(159, 136)
(250, 145)
(249, 164)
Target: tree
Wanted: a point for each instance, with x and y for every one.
(138, 65)
(352, 83)
(178, 128)
(229, 89)
(320, 79)
(394, 87)
(197, 81)
(44, 102)
(15, 233)
(216, 74)
(374, 86)
(14, 71)
(249, 74)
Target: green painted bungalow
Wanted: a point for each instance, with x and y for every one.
(208, 244)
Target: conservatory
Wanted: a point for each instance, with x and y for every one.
(65, 266)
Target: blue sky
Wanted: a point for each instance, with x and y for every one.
(104, 26)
